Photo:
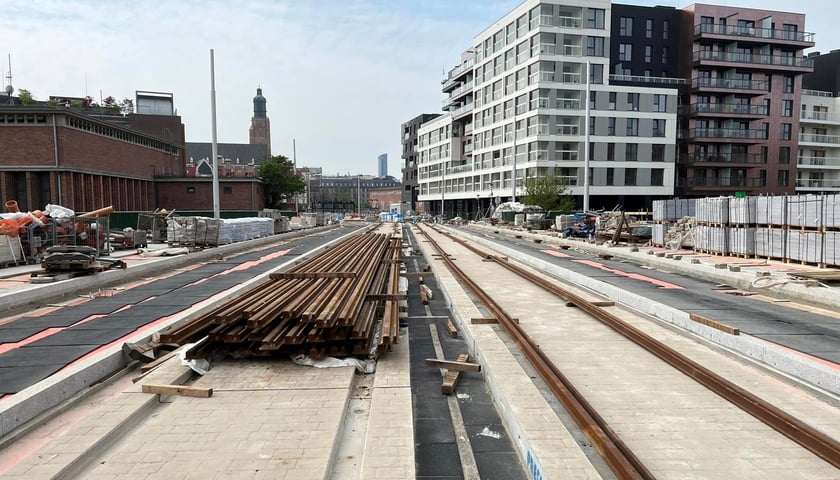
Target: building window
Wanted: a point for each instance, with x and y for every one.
(658, 127)
(629, 176)
(611, 126)
(788, 85)
(664, 55)
(592, 125)
(596, 73)
(592, 98)
(595, 46)
(625, 52)
(648, 53)
(190, 189)
(660, 103)
(786, 131)
(783, 178)
(227, 190)
(666, 25)
(610, 152)
(612, 101)
(633, 102)
(595, 18)
(631, 152)
(632, 127)
(787, 108)
(657, 177)
(657, 152)
(784, 155)
(610, 176)
(649, 28)
(625, 26)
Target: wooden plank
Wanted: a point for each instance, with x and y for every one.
(452, 377)
(483, 321)
(451, 327)
(714, 324)
(453, 365)
(182, 390)
(158, 362)
(427, 291)
(284, 275)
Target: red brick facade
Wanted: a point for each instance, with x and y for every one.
(382, 199)
(196, 193)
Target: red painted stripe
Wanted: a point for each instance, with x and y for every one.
(555, 253)
(26, 341)
(634, 276)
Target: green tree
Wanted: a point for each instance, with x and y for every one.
(549, 192)
(25, 97)
(279, 172)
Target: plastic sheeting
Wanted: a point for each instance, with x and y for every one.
(362, 366)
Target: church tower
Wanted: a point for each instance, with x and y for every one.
(260, 133)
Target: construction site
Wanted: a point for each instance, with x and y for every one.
(580, 347)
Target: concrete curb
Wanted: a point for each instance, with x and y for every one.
(32, 401)
(786, 362)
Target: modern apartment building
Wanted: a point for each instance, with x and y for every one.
(742, 111)
(408, 133)
(818, 163)
(534, 95)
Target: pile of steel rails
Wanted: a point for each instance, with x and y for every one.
(344, 301)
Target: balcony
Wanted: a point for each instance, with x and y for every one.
(462, 110)
(728, 109)
(461, 169)
(727, 158)
(541, 129)
(758, 60)
(720, 182)
(819, 117)
(636, 79)
(461, 69)
(757, 87)
(567, 130)
(759, 35)
(567, 104)
(551, 49)
(728, 134)
(819, 163)
(817, 138)
(818, 184)
(817, 93)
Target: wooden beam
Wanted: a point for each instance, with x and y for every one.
(284, 275)
(597, 303)
(714, 324)
(452, 376)
(453, 332)
(453, 365)
(483, 321)
(178, 390)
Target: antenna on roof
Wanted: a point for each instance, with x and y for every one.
(9, 88)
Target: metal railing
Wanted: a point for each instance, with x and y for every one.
(831, 162)
(731, 84)
(818, 183)
(754, 58)
(818, 138)
(817, 93)
(821, 116)
(643, 79)
(742, 31)
(729, 108)
(727, 158)
(733, 133)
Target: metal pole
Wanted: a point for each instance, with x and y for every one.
(214, 149)
(294, 159)
(586, 144)
(359, 195)
(442, 189)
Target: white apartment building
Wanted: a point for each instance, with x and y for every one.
(519, 97)
(818, 164)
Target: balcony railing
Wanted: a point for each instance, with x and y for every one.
(567, 104)
(461, 110)
(731, 84)
(648, 79)
(818, 183)
(551, 49)
(468, 147)
(539, 103)
(568, 22)
(817, 138)
(571, 130)
(729, 108)
(817, 93)
(461, 168)
(550, 21)
(754, 58)
(767, 33)
(721, 182)
(820, 116)
(461, 68)
(731, 133)
(727, 158)
(542, 129)
(832, 162)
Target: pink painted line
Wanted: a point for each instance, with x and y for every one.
(634, 276)
(247, 265)
(5, 347)
(555, 253)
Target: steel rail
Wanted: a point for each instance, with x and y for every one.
(617, 455)
(807, 436)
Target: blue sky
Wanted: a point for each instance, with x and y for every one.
(340, 76)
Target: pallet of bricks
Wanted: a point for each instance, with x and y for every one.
(770, 232)
(831, 230)
(192, 231)
(812, 221)
(741, 228)
(673, 222)
(711, 234)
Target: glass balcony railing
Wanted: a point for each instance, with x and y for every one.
(731, 84)
(729, 108)
(744, 31)
(817, 138)
(833, 162)
(729, 133)
(727, 158)
(819, 116)
(754, 59)
(832, 184)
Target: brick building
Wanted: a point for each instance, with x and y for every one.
(382, 198)
(192, 193)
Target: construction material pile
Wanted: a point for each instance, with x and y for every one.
(342, 302)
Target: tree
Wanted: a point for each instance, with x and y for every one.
(126, 106)
(549, 192)
(283, 182)
(25, 97)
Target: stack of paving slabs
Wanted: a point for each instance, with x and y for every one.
(342, 302)
(771, 210)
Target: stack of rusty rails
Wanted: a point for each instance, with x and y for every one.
(335, 304)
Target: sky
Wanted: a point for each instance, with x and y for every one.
(339, 76)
